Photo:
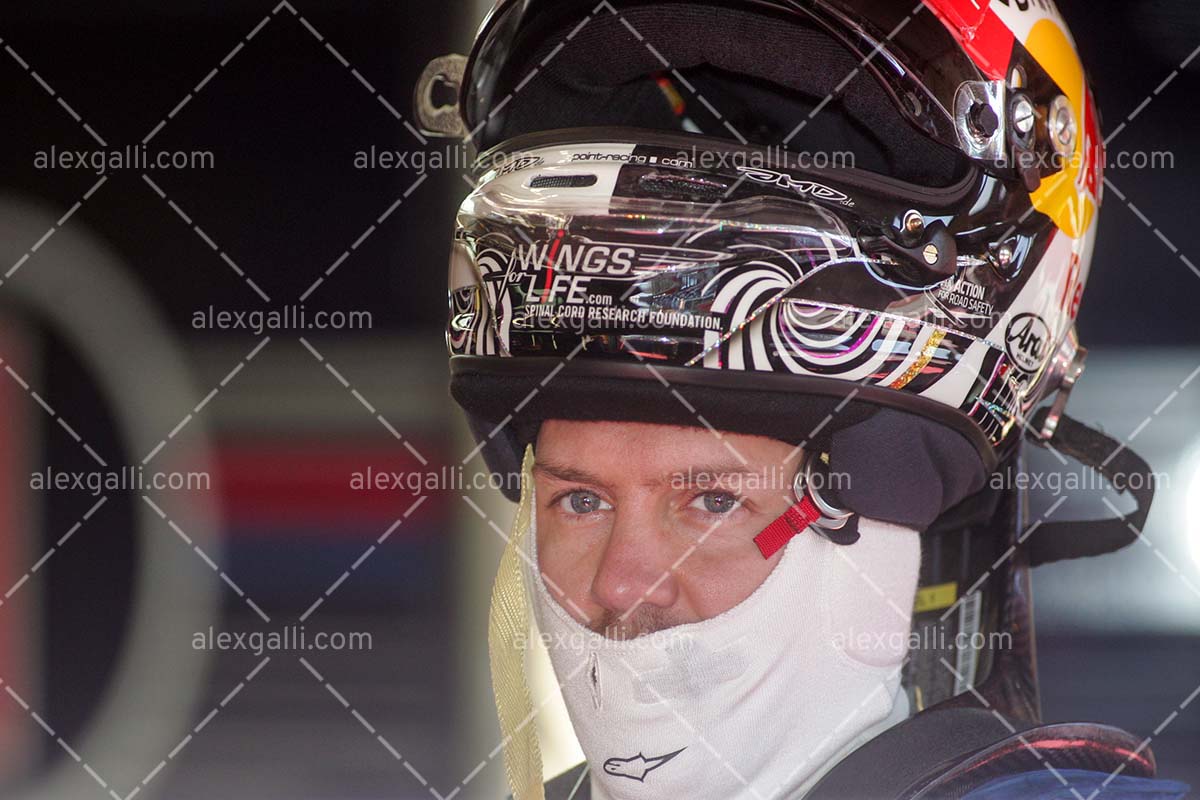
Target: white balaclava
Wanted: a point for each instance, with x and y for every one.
(758, 702)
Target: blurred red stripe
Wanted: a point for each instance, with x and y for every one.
(268, 484)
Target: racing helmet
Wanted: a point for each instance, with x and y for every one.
(860, 226)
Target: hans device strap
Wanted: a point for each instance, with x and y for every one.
(1124, 469)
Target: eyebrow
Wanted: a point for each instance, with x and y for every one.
(566, 473)
(710, 473)
(713, 473)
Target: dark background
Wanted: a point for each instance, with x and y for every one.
(284, 119)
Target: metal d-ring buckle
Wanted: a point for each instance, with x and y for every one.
(832, 517)
(1072, 373)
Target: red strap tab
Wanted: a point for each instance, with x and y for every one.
(798, 517)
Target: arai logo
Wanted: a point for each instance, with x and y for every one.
(1027, 341)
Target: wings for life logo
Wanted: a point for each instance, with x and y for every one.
(1027, 341)
(637, 767)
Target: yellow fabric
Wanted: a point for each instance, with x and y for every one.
(1064, 197)
(508, 642)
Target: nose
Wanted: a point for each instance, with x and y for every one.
(635, 568)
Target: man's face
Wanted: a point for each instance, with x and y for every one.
(644, 527)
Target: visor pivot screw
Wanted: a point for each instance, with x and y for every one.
(1023, 115)
(1062, 126)
(983, 121)
(913, 221)
(930, 254)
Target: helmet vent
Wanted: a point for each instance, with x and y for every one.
(562, 181)
(679, 187)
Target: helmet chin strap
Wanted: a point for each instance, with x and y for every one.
(1056, 540)
(811, 509)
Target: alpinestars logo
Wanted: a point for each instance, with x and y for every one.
(810, 189)
(638, 767)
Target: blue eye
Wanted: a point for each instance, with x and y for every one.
(582, 502)
(717, 502)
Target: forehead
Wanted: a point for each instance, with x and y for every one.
(637, 451)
